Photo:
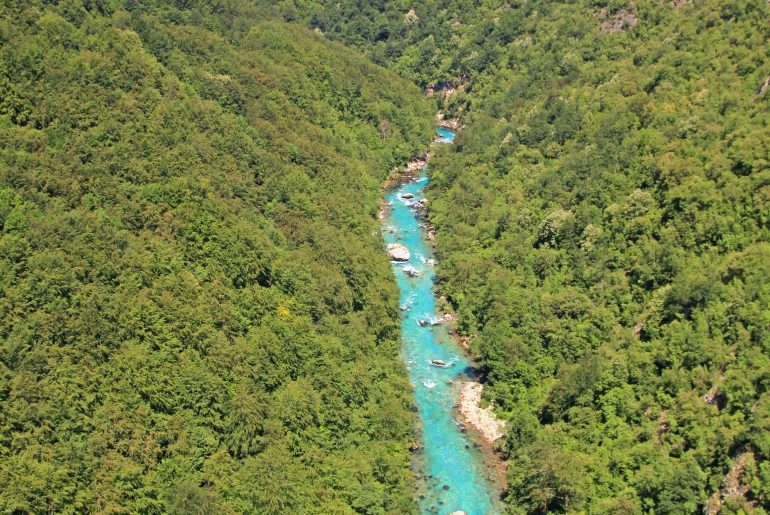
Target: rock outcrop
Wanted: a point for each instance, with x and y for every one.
(623, 20)
(453, 124)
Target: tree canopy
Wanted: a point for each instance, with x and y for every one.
(195, 311)
(196, 315)
(603, 233)
(603, 226)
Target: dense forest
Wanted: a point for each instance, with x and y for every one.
(606, 229)
(196, 315)
(603, 225)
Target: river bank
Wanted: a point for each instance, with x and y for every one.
(482, 420)
(410, 172)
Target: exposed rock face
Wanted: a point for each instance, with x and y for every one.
(398, 252)
(452, 124)
(445, 89)
(734, 486)
(764, 86)
(622, 20)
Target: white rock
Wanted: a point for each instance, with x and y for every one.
(483, 420)
(411, 271)
(398, 252)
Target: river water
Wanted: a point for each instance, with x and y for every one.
(453, 475)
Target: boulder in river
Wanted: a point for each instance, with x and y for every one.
(398, 252)
(423, 323)
(438, 363)
(411, 271)
(407, 195)
(458, 512)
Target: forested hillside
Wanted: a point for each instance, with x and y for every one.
(603, 229)
(196, 315)
(605, 226)
(195, 312)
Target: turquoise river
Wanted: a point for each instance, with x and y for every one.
(452, 471)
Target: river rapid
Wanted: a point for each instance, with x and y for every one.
(450, 468)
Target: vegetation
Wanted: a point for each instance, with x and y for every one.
(603, 229)
(603, 224)
(196, 315)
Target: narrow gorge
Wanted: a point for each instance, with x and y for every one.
(453, 474)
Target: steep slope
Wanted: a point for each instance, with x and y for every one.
(602, 223)
(196, 315)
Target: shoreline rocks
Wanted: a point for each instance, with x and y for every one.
(408, 173)
(483, 420)
(453, 124)
(413, 167)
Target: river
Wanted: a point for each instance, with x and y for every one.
(452, 472)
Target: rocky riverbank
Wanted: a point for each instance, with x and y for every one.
(408, 173)
(452, 124)
(482, 420)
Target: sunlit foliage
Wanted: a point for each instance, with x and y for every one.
(196, 315)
